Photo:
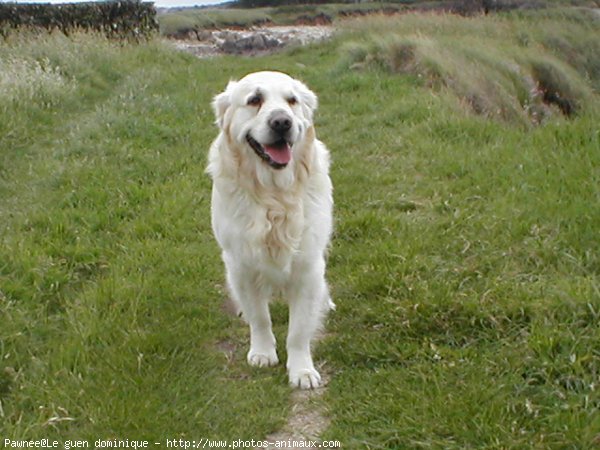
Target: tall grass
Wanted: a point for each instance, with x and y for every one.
(172, 23)
(506, 66)
(22, 78)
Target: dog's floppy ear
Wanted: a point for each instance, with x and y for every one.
(307, 98)
(221, 102)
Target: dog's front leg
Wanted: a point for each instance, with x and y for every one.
(308, 302)
(262, 341)
(254, 304)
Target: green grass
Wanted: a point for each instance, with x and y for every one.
(110, 289)
(465, 261)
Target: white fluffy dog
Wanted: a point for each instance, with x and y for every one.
(272, 212)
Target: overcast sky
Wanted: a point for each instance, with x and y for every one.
(159, 3)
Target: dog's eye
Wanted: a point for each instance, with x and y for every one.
(255, 100)
(292, 101)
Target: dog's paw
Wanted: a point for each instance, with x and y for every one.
(305, 379)
(262, 360)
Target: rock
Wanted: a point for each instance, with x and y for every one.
(204, 35)
(272, 43)
(256, 42)
(229, 44)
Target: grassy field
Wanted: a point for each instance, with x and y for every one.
(465, 263)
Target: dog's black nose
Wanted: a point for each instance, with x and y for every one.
(280, 122)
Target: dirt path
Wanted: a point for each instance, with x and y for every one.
(307, 419)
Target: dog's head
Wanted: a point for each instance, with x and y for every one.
(266, 113)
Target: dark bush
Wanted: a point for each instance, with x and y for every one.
(119, 19)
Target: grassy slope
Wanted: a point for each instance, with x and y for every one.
(509, 68)
(186, 19)
(465, 262)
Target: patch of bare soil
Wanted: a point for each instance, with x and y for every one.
(307, 419)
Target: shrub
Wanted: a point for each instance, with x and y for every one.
(123, 19)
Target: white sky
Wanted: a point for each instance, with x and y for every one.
(158, 3)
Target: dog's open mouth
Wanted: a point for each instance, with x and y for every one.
(277, 154)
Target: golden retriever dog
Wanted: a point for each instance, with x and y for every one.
(272, 213)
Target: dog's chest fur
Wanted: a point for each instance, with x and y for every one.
(270, 226)
(261, 212)
(284, 228)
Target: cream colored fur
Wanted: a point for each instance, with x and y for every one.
(273, 225)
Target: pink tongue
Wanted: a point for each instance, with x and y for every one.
(280, 153)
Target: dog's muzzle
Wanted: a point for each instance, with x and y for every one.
(278, 153)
